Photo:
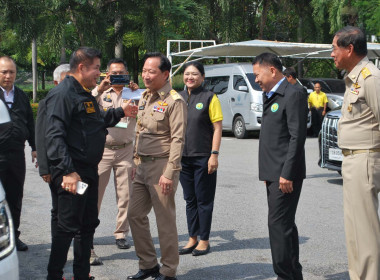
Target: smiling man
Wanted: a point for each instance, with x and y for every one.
(75, 137)
(160, 136)
(118, 151)
(282, 160)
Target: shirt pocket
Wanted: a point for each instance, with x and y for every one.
(353, 106)
(157, 122)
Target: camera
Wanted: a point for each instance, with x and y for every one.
(120, 79)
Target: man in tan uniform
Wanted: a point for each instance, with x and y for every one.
(118, 151)
(160, 134)
(359, 139)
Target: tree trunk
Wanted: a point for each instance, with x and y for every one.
(34, 68)
(151, 28)
(63, 56)
(78, 30)
(63, 52)
(300, 39)
(263, 19)
(136, 65)
(118, 36)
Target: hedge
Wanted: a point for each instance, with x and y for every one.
(41, 94)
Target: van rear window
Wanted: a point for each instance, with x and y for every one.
(251, 78)
(217, 85)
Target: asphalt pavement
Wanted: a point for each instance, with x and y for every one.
(239, 238)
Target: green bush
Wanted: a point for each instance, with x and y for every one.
(177, 82)
(34, 109)
(41, 94)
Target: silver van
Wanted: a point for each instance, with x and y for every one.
(239, 95)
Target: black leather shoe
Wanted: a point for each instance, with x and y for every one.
(145, 273)
(201, 252)
(163, 277)
(184, 251)
(21, 246)
(122, 243)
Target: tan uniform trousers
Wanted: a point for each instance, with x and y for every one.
(361, 185)
(120, 161)
(145, 193)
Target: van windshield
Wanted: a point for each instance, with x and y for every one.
(251, 79)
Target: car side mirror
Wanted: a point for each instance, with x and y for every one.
(243, 88)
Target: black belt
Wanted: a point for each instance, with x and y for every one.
(149, 158)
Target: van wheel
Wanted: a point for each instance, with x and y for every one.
(239, 129)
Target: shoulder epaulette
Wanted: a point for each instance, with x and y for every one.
(144, 93)
(366, 73)
(175, 94)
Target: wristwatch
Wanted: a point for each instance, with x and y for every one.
(215, 152)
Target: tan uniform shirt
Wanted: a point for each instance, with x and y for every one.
(124, 132)
(358, 128)
(161, 127)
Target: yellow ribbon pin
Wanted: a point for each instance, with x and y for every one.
(162, 103)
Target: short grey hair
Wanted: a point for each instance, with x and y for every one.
(59, 70)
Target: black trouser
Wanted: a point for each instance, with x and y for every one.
(283, 233)
(73, 216)
(12, 176)
(199, 192)
(316, 120)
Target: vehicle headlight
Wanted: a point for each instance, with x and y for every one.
(257, 107)
(7, 235)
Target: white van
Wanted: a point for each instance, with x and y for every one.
(8, 253)
(240, 97)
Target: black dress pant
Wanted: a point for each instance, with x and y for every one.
(199, 192)
(73, 216)
(316, 120)
(12, 176)
(283, 233)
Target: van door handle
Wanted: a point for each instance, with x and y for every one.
(232, 99)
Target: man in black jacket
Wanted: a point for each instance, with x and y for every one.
(12, 154)
(75, 137)
(282, 160)
(43, 165)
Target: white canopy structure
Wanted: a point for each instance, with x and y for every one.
(256, 47)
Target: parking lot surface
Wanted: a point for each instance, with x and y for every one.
(239, 238)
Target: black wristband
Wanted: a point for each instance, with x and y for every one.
(215, 152)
